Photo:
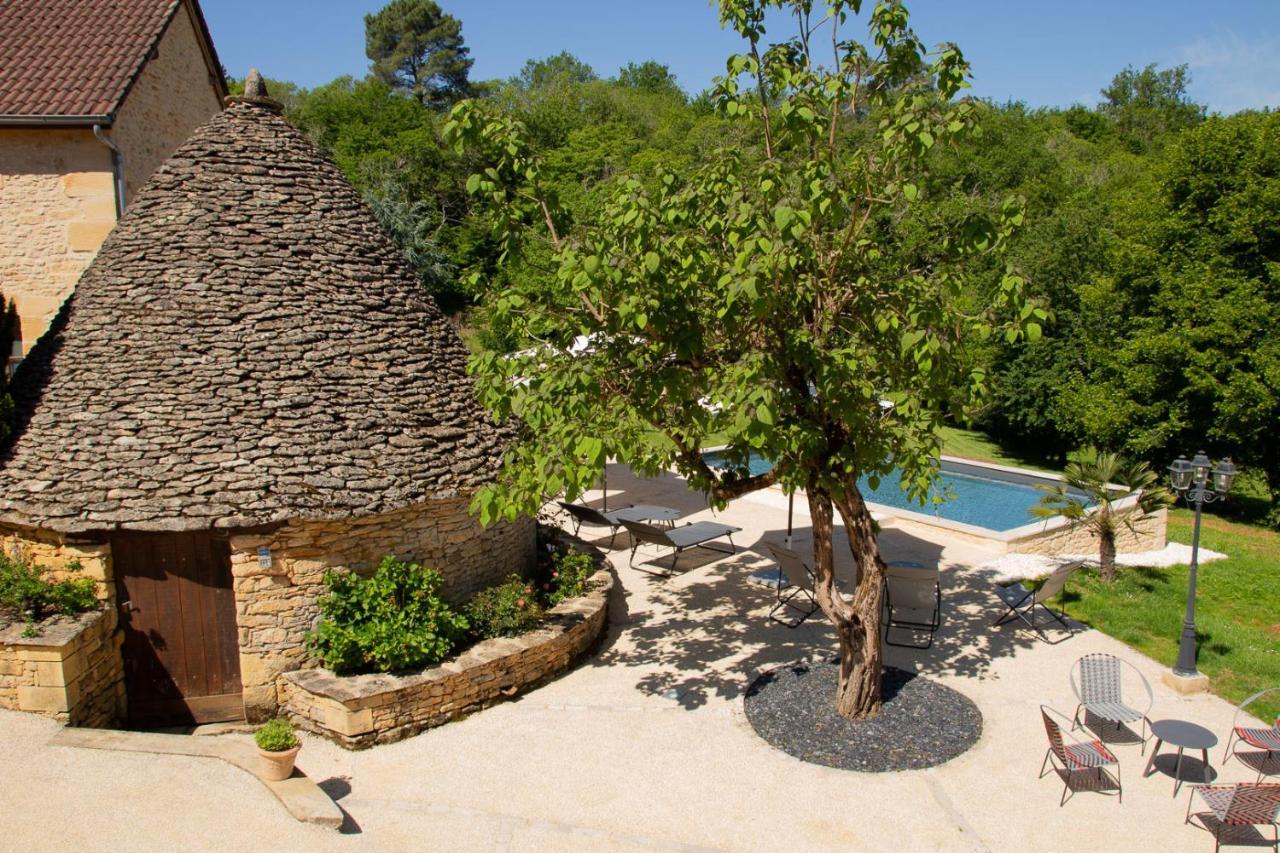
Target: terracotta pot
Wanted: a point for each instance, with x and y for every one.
(277, 766)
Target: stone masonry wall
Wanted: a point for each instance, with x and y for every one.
(359, 711)
(72, 672)
(171, 98)
(276, 606)
(57, 204)
(1147, 535)
(56, 552)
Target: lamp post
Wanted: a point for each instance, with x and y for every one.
(1199, 481)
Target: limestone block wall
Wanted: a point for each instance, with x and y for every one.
(171, 98)
(276, 605)
(72, 672)
(1148, 535)
(57, 552)
(57, 204)
(362, 710)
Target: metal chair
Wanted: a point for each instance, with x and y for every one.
(917, 592)
(1088, 757)
(1022, 602)
(799, 585)
(1234, 810)
(1266, 742)
(1097, 682)
(582, 514)
(693, 535)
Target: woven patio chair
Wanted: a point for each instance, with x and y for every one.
(1097, 680)
(1022, 602)
(917, 593)
(1088, 758)
(1265, 742)
(796, 594)
(1235, 811)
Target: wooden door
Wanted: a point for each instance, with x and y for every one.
(178, 612)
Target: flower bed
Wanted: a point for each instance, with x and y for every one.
(358, 711)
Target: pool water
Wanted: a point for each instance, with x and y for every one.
(983, 501)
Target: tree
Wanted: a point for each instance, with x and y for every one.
(1149, 104)
(562, 68)
(1185, 349)
(416, 47)
(773, 296)
(1092, 486)
(648, 76)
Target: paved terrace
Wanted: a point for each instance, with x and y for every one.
(644, 745)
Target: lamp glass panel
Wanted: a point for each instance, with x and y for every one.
(1200, 466)
(1180, 473)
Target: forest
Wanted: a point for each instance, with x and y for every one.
(1149, 241)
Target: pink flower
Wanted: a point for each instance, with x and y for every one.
(520, 603)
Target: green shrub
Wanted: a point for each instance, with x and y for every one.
(276, 736)
(25, 590)
(505, 610)
(570, 571)
(389, 621)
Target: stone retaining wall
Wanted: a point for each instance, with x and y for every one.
(71, 672)
(363, 710)
(276, 605)
(1148, 534)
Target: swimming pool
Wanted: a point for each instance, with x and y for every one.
(988, 497)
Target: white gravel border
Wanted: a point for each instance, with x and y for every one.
(1011, 568)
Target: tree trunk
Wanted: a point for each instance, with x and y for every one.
(857, 623)
(1107, 555)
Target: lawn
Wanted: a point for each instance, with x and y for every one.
(1237, 600)
(1237, 608)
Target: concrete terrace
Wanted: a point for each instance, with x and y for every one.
(644, 745)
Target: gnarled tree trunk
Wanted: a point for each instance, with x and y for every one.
(857, 622)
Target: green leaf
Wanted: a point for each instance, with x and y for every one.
(910, 191)
(782, 216)
(473, 184)
(651, 261)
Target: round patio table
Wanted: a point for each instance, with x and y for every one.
(1183, 735)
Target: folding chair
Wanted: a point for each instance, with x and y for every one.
(1265, 742)
(799, 585)
(1022, 602)
(918, 593)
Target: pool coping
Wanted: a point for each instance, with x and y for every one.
(1032, 530)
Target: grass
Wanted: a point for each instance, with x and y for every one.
(1237, 599)
(1237, 608)
(971, 444)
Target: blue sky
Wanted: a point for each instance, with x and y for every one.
(1043, 52)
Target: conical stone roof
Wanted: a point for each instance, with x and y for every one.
(247, 347)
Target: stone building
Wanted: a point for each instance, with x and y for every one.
(94, 95)
(247, 388)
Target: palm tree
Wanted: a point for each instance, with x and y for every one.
(1090, 489)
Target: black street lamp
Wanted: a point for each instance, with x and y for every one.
(1200, 482)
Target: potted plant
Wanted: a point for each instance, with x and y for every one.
(278, 746)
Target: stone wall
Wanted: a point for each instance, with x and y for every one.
(72, 671)
(57, 204)
(171, 98)
(57, 552)
(276, 605)
(1147, 535)
(363, 710)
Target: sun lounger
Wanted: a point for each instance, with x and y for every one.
(679, 539)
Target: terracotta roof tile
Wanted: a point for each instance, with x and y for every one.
(75, 57)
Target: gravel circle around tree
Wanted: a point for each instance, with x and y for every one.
(921, 723)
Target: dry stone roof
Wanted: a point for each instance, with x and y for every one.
(248, 346)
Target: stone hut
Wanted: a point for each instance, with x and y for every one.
(247, 388)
